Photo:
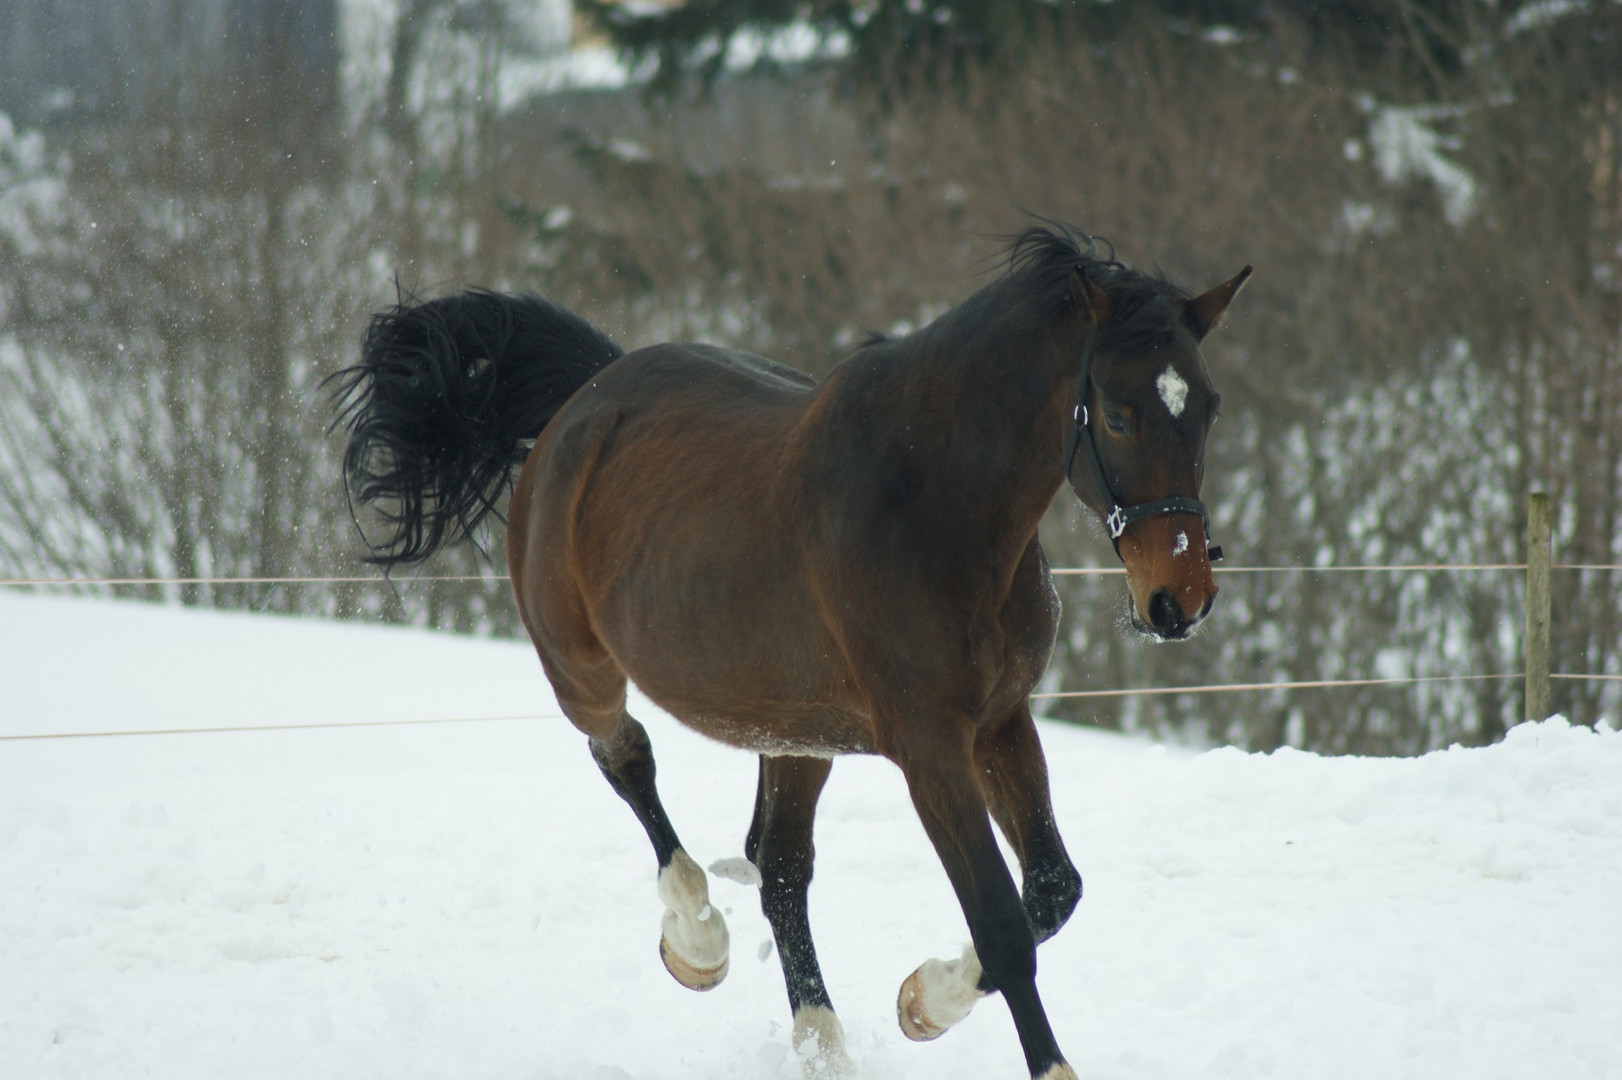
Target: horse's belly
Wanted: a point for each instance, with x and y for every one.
(738, 657)
(805, 730)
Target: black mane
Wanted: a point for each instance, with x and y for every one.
(1148, 308)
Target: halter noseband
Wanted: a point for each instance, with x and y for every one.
(1119, 517)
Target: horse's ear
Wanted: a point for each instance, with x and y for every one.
(1090, 300)
(1205, 310)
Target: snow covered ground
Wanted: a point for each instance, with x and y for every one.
(470, 901)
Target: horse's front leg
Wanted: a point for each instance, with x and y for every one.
(940, 770)
(1013, 775)
(780, 846)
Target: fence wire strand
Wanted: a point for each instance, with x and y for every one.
(277, 727)
(1058, 571)
(1311, 684)
(1065, 571)
(1064, 694)
(373, 579)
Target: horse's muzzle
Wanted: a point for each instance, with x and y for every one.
(1166, 618)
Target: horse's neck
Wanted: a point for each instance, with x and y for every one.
(987, 399)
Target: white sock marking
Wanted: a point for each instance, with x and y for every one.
(948, 989)
(819, 1042)
(691, 927)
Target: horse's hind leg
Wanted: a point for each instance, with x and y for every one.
(591, 690)
(590, 686)
(694, 943)
(780, 846)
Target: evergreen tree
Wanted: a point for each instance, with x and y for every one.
(941, 36)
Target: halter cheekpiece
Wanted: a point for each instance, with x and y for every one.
(1118, 517)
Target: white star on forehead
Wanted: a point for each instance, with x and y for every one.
(1173, 390)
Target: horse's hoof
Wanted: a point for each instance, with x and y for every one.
(694, 944)
(936, 996)
(692, 976)
(819, 1041)
(916, 1023)
(1061, 1071)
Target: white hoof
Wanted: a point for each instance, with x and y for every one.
(938, 995)
(695, 941)
(819, 1042)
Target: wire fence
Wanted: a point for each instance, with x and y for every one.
(317, 726)
(1068, 571)
(1057, 571)
(368, 579)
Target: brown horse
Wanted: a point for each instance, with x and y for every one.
(804, 570)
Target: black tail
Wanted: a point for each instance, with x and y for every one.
(443, 401)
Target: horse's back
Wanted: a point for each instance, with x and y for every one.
(693, 376)
(667, 434)
(731, 369)
(676, 432)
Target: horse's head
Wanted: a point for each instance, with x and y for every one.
(1138, 448)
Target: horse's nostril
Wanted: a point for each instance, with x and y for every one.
(1164, 613)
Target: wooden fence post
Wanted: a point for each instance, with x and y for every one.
(1537, 606)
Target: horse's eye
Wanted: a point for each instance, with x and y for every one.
(1116, 422)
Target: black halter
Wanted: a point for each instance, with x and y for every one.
(1118, 517)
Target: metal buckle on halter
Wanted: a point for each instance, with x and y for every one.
(1081, 415)
(1115, 522)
